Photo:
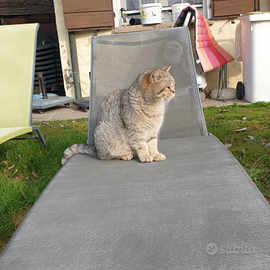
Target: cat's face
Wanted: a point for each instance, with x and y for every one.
(160, 84)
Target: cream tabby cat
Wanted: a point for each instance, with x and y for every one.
(129, 120)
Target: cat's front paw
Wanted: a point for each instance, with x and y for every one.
(159, 157)
(127, 157)
(146, 158)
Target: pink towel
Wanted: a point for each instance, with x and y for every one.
(210, 54)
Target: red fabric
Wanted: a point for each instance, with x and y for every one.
(210, 54)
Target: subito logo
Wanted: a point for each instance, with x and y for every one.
(211, 249)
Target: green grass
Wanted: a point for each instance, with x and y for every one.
(26, 167)
(249, 146)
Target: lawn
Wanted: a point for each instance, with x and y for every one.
(26, 167)
(245, 130)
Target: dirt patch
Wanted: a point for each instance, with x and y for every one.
(267, 198)
(19, 216)
(16, 220)
(3, 243)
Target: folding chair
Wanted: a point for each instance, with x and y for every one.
(198, 209)
(17, 68)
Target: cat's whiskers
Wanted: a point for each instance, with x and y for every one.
(175, 101)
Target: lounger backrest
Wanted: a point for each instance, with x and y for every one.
(17, 65)
(118, 59)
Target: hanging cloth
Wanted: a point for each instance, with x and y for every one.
(210, 54)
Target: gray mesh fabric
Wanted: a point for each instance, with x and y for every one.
(118, 59)
(198, 209)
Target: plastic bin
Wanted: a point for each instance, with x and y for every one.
(177, 8)
(254, 49)
(151, 13)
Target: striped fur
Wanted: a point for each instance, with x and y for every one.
(78, 148)
(129, 120)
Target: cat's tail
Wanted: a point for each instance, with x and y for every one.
(78, 149)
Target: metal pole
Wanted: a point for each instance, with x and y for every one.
(42, 85)
(75, 65)
(204, 9)
(224, 76)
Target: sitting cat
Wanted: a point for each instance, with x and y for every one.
(129, 120)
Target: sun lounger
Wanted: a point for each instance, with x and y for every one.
(198, 209)
(17, 68)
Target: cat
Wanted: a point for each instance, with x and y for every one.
(129, 120)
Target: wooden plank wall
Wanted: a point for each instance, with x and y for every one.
(25, 7)
(85, 14)
(29, 11)
(231, 8)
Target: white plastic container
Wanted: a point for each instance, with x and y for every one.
(177, 8)
(151, 13)
(255, 54)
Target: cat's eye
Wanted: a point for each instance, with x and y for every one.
(169, 87)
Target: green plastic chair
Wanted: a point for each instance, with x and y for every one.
(17, 70)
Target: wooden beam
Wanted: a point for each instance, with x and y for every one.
(25, 7)
(72, 6)
(90, 19)
(229, 8)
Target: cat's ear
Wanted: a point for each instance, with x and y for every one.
(155, 76)
(167, 68)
